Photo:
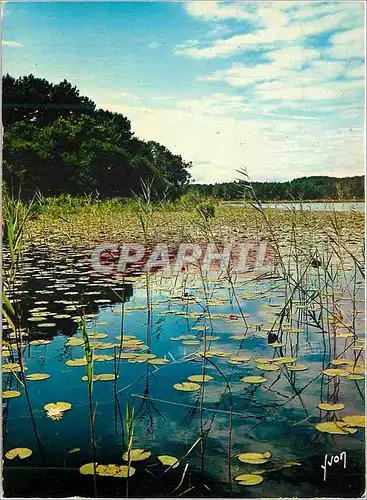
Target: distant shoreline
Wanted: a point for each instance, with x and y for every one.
(347, 200)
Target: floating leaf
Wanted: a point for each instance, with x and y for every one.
(284, 360)
(37, 376)
(239, 359)
(336, 427)
(331, 406)
(105, 377)
(202, 354)
(253, 380)
(18, 452)
(136, 455)
(264, 360)
(102, 357)
(220, 354)
(169, 461)
(200, 378)
(127, 355)
(11, 367)
(337, 362)
(97, 335)
(125, 471)
(73, 450)
(254, 458)
(125, 337)
(10, 394)
(87, 468)
(355, 377)
(355, 420)
(297, 368)
(335, 372)
(74, 342)
(249, 479)
(60, 405)
(77, 362)
(268, 367)
(55, 411)
(158, 361)
(187, 386)
(191, 342)
(276, 344)
(184, 337)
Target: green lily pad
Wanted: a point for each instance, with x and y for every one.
(18, 452)
(169, 461)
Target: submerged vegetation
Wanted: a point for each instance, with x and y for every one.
(192, 383)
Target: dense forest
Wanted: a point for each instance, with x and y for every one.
(56, 141)
(304, 188)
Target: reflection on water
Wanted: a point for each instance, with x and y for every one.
(157, 340)
(347, 206)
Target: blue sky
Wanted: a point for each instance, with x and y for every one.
(273, 87)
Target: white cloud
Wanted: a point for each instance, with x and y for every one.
(215, 11)
(215, 104)
(219, 145)
(11, 43)
(300, 90)
(347, 44)
(283, 64)
(271, 23)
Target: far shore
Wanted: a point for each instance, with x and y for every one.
(346, 200)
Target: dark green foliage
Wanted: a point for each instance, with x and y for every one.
(56, 142)
(304, 188)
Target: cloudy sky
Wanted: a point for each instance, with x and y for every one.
(273, 87)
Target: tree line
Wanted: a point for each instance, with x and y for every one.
(56, 141)
(304, 188)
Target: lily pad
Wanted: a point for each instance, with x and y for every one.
(276, 344)
(102, 357)
(87, 468)
(297, 368)
(77, 362)
(60, 405)
(249, 479)
(187, 386)
(200, 378)
(355, 420)
(11, 367)
(253, 380)
(158, 361)
(268, 367)
(106, 377)
(284, 360)
(18, 452)
(355, 377)
(239, 359)
(169, 461)
(336, 427)
(37, 376)
(10, 394)
(136, 455)
(331, 406)
(254, 458)
(335, 372)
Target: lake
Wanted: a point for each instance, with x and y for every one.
(350, 206)
(156, 332)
